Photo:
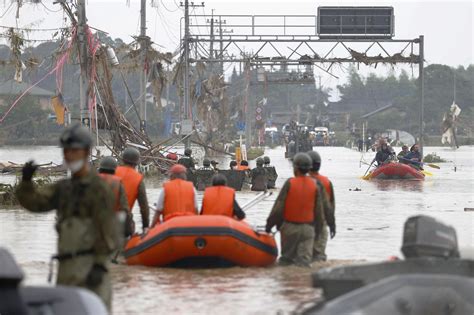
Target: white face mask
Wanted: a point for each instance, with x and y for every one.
(74, 166)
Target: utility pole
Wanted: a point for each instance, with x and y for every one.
(221, 46)
(83, 57)
(247, 106)
(186, 40)
(211, 44)
(143, 73)
(421, 79)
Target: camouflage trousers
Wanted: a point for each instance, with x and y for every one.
(319, 247)
(74, 272)
(296, 244)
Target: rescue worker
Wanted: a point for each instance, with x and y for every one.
(220, 199)
(233, 165)
(178, 196)
(319, 249)
(134, 185)
(86, 222)
(214, 165)
(107, 168)
(414, 158)
(244, 166)
(298, 214)
(259, 177)
(384, 154)
(272, 175)
(402, 154)
(186, 160)
(206, 165)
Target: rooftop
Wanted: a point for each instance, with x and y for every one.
(12, 87)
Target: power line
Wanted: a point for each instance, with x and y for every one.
(8, 9)
(164, 6)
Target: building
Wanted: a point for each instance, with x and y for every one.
(11, 89)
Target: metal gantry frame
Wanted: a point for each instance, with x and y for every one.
(280, 31)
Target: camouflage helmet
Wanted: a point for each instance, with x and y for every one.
(259, 162)
(131, 156)
(302, 162)
(244, 163)
(316, 160)
(108, 163)
(266, 160)
(188, 152)
(75, 137)
(206, 163)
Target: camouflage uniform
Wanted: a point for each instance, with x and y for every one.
(86, 226)
(272, 175)
(187, 161)
(320, 242)
(296, 239)
(259, 179)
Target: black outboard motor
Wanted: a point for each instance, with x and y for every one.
(424, 236)
(18, 300)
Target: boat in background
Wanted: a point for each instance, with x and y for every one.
(395, 170)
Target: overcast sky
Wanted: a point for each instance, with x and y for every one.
(447, 25)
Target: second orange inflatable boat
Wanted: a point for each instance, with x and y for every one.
(202, 241)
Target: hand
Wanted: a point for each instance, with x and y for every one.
(95, 276)
(145, 230)
(332, 231)
(268, 229)
(28, 170)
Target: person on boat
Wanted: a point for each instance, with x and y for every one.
(107, 168)
(233, 165)
(259, 177)
(178, 196)
(244, 166)
(86, 222)
(206, 165)
(134, 184)
(319, 249)
(414, 158)
(298, 214)
(186, 160)
(220, 199)
(272, 175)
(401, 155)
(384, 153)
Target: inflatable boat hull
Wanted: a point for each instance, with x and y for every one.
(396, 171)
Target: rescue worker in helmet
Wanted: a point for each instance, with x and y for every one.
(272, 174)
(186, 160)
(214, 165)
(86, 221)
(384, 153)
(298, 214)
(107, 168)
(134, 184)
(319, 248)
(259, 177)
(244, 166)
(178, 196)
(233, 165)
(401, 155)
(206, 165)
(220, 199)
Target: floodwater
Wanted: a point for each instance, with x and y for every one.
(370, 217)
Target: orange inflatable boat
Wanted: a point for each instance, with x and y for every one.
(202, 241)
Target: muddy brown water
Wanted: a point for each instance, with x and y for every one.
(369, 227)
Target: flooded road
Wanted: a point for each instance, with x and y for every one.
(369, 227)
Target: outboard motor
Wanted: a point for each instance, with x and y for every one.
(424, 236)
(11, 276)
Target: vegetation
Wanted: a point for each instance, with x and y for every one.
(433, 158)
(254, 153)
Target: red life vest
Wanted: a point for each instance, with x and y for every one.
(326, 183)
(114, 183)
(131, 180)
(218, 200)
(300, 201)
(243, 168)
(179, 199)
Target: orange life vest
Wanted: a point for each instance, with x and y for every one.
(326, 183)
(114, 182)
(243, 168)
(131, 180)
(218, 200)
(179, 199)
(300, 201)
